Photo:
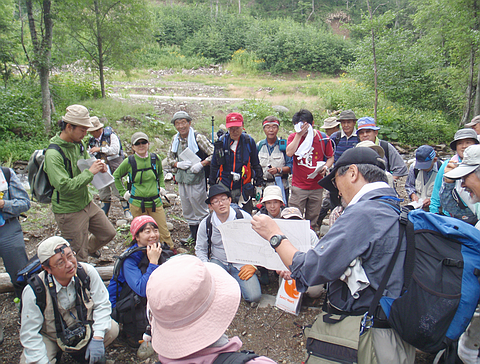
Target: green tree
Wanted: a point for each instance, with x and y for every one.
(109, 32)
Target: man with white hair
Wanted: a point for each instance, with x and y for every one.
(65, 308)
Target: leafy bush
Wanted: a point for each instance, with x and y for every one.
(171, 57)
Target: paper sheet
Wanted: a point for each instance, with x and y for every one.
(188, 155)
(100, 180)
(243, 245)
(417, 204)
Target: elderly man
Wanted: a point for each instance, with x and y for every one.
(209, 247)
(191, 178)
(469, 172)
(368, 229)
(65, 308)
(475, 125)
(330, 125)
(347, 137)
(75, 212)
(312, 154)
(367, 129)
(273, 158)
(105, 145)
(235, 163)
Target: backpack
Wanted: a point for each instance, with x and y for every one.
(107, 133)
(209, 228)
(441, 281)
(32, 267)
(40, 185)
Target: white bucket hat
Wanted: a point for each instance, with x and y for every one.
(272, 193)
(77, 115)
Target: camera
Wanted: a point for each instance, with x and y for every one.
(74, 334)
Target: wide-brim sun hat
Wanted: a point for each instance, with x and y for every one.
(461, 134)
(272, 193)
(330, 122)
(190, 305)
(372, 145)
(96, 124)
(470, 162)
(139, 136)
(77, 115)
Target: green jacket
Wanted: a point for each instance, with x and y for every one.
(148, 187)
(72, 193)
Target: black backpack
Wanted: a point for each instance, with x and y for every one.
(209, 228)
(40, 185)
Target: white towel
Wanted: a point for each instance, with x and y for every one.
(355, 278)
(304, 148)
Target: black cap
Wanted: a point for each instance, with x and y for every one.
(218, 189)
(350, 156)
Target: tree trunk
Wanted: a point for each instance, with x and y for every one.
(216, 10)
(100, 49)
(476, 108)
(374, 65)
(42, 54)
(239, 6)
(468, 94)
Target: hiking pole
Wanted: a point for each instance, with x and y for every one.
(213, 128)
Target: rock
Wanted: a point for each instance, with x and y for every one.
(168, 176)
(171, 197)
(182, 251)
(169, 226)
(121, 222)
(280, 108)
(324, 229)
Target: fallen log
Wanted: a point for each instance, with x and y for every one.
(6, 286)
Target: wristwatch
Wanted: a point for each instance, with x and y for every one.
(276, 240)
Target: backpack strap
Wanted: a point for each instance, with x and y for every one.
(117, 267)
(384, 145)
(209, 229)
(7, 174)
(66, 162)
(39, 290)
(235, 358)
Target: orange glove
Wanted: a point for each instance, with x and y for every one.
(246, 272)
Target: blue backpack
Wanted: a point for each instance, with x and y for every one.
(441, 281)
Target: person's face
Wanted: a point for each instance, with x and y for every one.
(330, 131)
(270, 131)
(471, 183)
(220, 204)
(235, 132)
(148, 236)
(431, 165)
(476, 127)
(273, 207)
(342, 182)
(347, 126)
(96, 134)
(75, 133)
(462, 145)
(183, 127)
(140, 147)
(367, 134)
(63, 265)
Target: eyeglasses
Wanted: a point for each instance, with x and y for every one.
(140, 142)
(219, 201)
(334, 183)
(181, 122)
(270, 127)
(62, 263)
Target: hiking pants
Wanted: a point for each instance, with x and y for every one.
(193, 202)
(75, 228)
(309, 202)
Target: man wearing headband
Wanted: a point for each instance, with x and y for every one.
(273, 158)
(75, 316)
(368, 232)
(75, 212)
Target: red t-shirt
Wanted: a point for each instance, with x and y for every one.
(306, 165)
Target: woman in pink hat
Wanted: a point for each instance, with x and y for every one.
(190, 306)
(131, 283)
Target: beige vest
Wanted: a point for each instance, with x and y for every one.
(424, 190)
(276, 160)
(48, 327)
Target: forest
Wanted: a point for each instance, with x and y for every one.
(413, 64)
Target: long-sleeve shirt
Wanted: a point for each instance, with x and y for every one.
(16, 198)
(111, 150)
(395, 163)
(411, 179)
(32, 317)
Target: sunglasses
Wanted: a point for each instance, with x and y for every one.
(140, 142)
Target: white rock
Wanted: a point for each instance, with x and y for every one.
(168, 176)
(171, 196)
(169, 226)
(121, 222)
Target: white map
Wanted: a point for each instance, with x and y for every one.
(243, 245)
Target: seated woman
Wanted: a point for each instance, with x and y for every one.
(190, 305)
(145, 174)
(127, 288)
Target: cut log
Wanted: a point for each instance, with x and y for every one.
(6, 286)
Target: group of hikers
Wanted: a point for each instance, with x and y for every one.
(181, 305)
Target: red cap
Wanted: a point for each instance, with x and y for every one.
(234, 119)
(140, 221)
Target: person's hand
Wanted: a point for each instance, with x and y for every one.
(467, 355)
(285, 274)
(449, 167)
(304, 129)
(197, 167)
(265, 226)
(153, 252)
(98, 166)
(426, 203)
(95, 351)
(163, 191)
(246, 272)
(95, 150)
(127, 196)
(273, 171)
(414, 197)
(2, 203)
(184, 165)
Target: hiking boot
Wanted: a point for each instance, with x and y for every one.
(96, 254)
(106, 207)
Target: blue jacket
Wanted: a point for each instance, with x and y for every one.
(132, 275)
(246, 152)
